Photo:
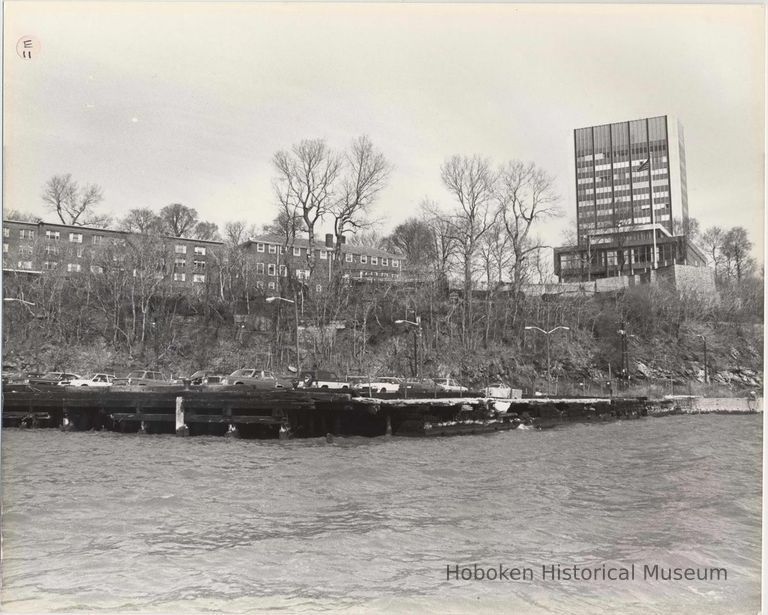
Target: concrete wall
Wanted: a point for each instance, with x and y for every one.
(686, 278)
(695, 404)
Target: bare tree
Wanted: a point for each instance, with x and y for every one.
(141, 220)
(712, 241)
(365, 175)
(20, 216)
(206, 231)
(237, 232)
(735, 249)
(415, 239)
(178, 220)
(71, 203)
(305, 183)
(473, 184)
(369, 238)
(526, 196)
(444, 244)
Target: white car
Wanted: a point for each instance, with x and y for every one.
(97, 380)
(450, 385)
(380, 384)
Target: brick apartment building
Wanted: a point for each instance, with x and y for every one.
(31, 248)
(360, 264)
(34, 248)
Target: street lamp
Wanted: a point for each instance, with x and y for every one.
(706, 368)
(416, 337)
(547, 334)
(296, 315)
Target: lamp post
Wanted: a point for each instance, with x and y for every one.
(706, 368)
(417, 336)
(547, 334)
(296, 315)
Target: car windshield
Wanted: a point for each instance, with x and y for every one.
(52, 375)
(136, 374)
(197, 375)
(247, 373)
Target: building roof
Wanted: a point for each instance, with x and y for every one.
(97, 229)
(301, 242)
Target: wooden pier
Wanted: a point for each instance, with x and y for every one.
(247, 412)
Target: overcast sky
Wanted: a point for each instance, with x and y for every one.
(162, 103)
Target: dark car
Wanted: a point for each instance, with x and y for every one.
(53, 379)
(420, 387)
(204, 377)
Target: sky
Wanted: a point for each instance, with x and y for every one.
(188, 102)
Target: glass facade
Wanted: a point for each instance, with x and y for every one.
(623, 176)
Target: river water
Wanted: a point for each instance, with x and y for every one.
(102, 521)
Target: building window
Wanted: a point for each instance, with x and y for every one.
(260, 284)
(25, 264)
(259, 247)
(48, 265)
(79, 252)
(198, 265)
(179, 263)
(98, 240)
(6, 231)
(25, 251)
(385, 262)
(24, 234)
(74, 267)
(179, 249)
(97, 269)
(348, 258)
(179, 277)
(260, 268)
(199, 251)
(76, 237)
(283, 271)
(271, 286)
(52, 235)
(50, 250)
(119, 242)
(5, 248)
(272, 249)
(324, 255)
(198, 277)
(271, 269)
(363, 258)
(395, 262)
(374, 260)
(297, 251)
(319, 288)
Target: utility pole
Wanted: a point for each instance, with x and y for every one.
(706, 366)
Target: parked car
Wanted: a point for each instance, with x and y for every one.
(142, 378)
(320, 379)
(203, 377)
(377, 384)
(97, 380)
(256, 377)
(53, 379)
(419, 387)
(450, 385)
